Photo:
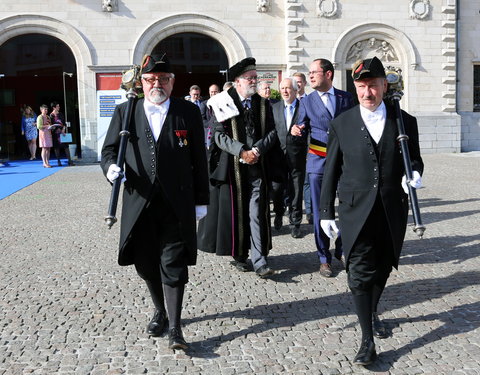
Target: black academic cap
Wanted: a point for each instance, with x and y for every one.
(241, 67)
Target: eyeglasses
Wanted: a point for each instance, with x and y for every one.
(313, 72)
(249, 79)
(162, 80)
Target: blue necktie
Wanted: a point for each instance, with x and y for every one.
(329, 104)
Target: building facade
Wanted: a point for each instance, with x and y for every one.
(433, 42)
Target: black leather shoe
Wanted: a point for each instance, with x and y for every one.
(176, 340)
(264, 271)
(278, 222)
(379, 329)
(296, 233)
(158, 324)
(366, 354)
(240, 266)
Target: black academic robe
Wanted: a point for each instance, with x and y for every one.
(176, 162)
(352, 164)
(226, 230)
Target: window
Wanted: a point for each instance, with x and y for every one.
(476, 88)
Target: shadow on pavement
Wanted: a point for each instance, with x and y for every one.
(297, 312)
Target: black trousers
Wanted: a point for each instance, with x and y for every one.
(371, 257)
(160, 253)
(290, 193)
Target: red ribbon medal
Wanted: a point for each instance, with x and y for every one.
(182, 137)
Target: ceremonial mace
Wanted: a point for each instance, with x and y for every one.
(394, 94)
(130, 83)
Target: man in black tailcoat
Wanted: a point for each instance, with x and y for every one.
(365, 163)
(165, 190)
(238, 221)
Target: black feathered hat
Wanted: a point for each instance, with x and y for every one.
(155, 63)
(368, 68)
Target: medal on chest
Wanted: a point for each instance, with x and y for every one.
(182, 137)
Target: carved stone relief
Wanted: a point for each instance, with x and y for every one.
(109, 5)
(419, 9)
(326, 8)
(263, 6)
(372, 47)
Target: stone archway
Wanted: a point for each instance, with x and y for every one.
(192, 23)
(374, 39)
(196, 59)
(20, 25)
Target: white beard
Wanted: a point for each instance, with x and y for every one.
(157, 95)
(251, 90)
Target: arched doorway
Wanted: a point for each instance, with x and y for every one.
(35, 69)
(196, 59)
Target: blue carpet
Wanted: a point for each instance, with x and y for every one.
(17, 174)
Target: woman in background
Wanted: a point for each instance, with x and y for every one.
(45, 137)
(29, 129)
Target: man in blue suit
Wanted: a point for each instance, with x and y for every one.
(316, 111)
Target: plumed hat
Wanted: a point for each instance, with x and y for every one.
(241, 67)
(368, 68)
(155, 63)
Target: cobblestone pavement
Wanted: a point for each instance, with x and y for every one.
(66, 307)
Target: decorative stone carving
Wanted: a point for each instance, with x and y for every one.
(356, 51)
(371, 47)
(263, 6)
(109, 5)
(419, 9)
(386, 51)
(326, 8)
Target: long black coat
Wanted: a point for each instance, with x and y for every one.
(181, 170)
(352, 164)
(226, 229)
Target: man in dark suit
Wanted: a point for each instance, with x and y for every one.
(285, 114)
(165, 190)
(302, 83)
(316, 112)
(207, 115)
(365, 163)
(238, 222)
(194, 95)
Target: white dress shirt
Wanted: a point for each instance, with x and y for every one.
(156, 115)
(374, 120)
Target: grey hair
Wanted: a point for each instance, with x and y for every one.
(294, 82)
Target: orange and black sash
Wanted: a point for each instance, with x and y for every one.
(317, 148)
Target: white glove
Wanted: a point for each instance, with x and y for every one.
(113, 172)
(416, 181)
(200, 212)
(328, 226)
